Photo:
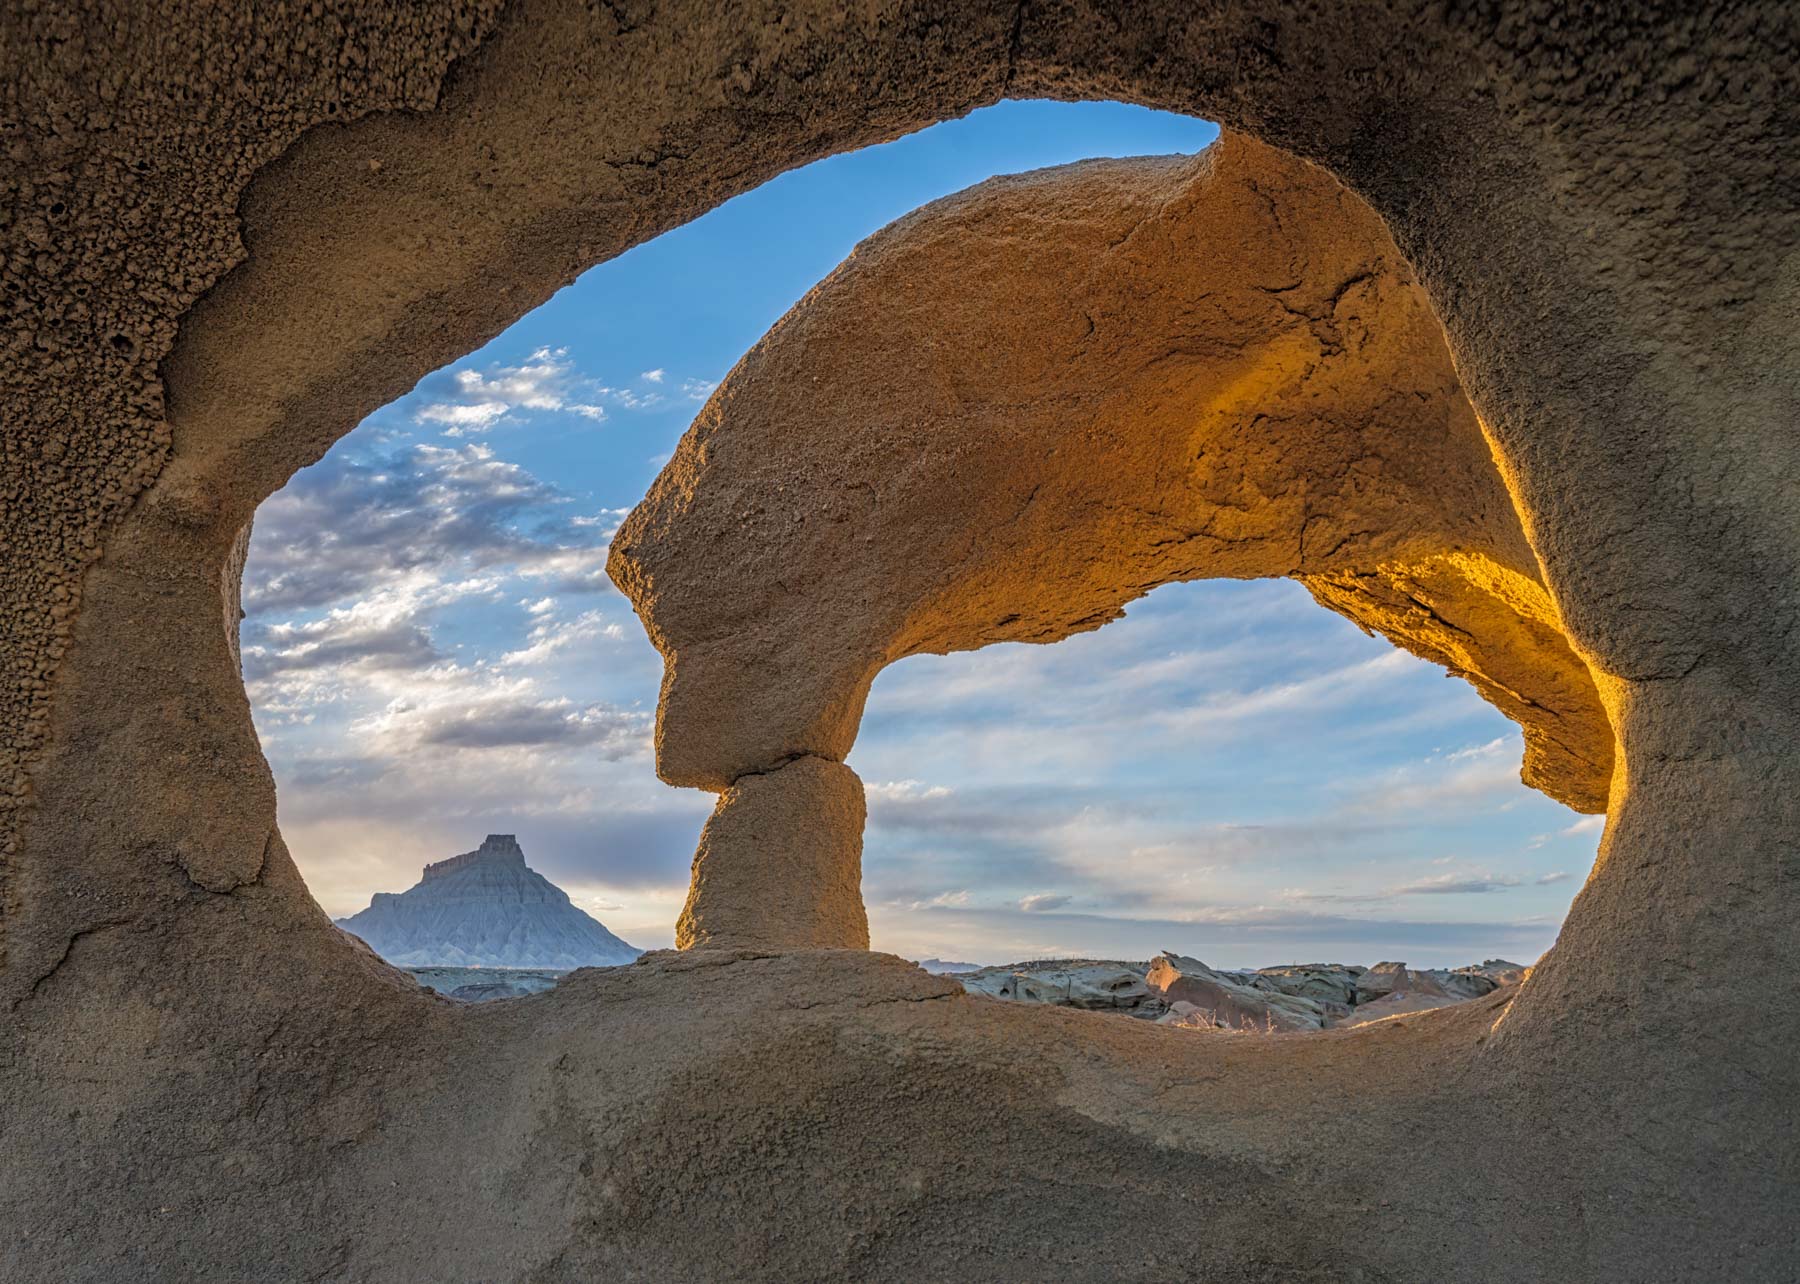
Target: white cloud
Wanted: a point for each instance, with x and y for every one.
(943, 900)
(468, 401)
(903, 790)
(550, 637)
(471, 401)
(1328, 690)
(1558, 877)
(1586, 825)
(1043, 903)
(1456, 885)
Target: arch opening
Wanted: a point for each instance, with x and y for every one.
(1229, 775)
(1021, 408)
(432, 650)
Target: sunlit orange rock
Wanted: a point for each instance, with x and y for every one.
(1015, 410)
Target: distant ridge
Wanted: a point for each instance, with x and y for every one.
(486, 908)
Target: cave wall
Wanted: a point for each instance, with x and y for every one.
(232, 233)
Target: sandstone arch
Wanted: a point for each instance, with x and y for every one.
(1017, 409)
(233, 233)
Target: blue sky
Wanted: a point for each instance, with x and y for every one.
(433, 652)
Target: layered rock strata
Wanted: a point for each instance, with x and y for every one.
(486, 908)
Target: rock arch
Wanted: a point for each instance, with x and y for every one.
(1019, 408)
(233, 233)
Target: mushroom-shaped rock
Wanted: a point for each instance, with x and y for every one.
(1014, 411)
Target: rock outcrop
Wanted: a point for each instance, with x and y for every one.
(1092, 985)
(1232, 1001)
(1173, 989)
(1122, 373)
(780, 863)
(233, 231)
(484, 909)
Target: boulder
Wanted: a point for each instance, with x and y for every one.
(1461, 983)
(1327, 983)
(1499, 971)
(1395, 978)
(1229, 999)
(1094, 985)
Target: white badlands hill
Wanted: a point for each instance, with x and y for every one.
(486, 908)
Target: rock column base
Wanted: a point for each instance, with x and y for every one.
(780, 864)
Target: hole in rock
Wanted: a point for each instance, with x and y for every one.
(432, 650)
(1230, 773)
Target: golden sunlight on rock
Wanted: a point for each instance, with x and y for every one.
(1023, 406)
(1488, 339)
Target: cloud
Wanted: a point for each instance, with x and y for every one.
(493, 724)
(1586, 825)
(1451, 884)
(1329, 690)
(1558, 877)
(472, 401)
(1487, 774)
(1456, 885)
(943, 900)
(903, 791)
(551, 637)
(466, 401)
(1042, 903)
(353, 524)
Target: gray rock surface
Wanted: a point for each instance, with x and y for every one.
(1332, 984)
(1174, 989)
(1233, 999)
(480, 983)
(1094, 985)
(486, 908)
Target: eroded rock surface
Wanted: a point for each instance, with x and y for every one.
(234, 231)
(1023, 406)
(1173, 989)
(1093, 985)
(780, 863)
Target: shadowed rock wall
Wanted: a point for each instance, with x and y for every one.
(231, 233)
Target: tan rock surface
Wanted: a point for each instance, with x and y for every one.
(208, 281)
(1222, 1001)
(780, 863)
(1021, 407)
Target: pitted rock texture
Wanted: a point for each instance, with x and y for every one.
(1598, 205)
(1019, 408)
(121, 212)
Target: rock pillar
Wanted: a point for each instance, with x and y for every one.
(780, 863)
